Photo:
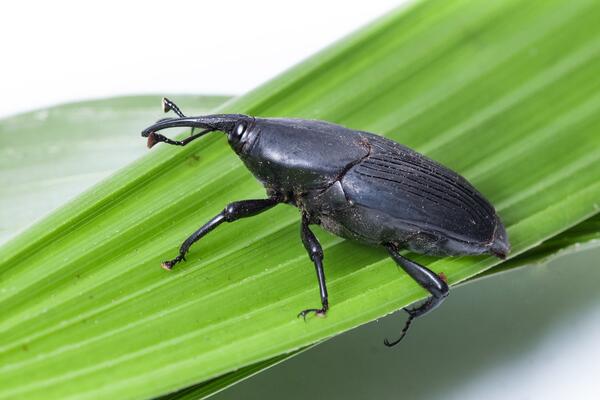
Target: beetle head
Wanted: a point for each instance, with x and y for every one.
(236, 126)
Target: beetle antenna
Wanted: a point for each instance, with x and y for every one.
(154, 138)
(404, 330)
(169, 105)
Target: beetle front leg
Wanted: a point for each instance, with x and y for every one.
(428, 280)
(232, 212)
(315, 252)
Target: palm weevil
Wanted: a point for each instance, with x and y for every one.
(355, 184)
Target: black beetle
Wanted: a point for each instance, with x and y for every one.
(356, 185)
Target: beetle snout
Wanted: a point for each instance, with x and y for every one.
(152, 129)
(146, 132)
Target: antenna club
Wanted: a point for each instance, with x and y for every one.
(166, 105)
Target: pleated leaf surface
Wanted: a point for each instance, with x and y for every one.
(506, 93)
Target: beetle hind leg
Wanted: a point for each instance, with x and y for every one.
(315, 252)
(428, 280)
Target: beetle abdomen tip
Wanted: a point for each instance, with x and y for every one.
(500, 246)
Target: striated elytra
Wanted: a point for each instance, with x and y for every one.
(356, 185)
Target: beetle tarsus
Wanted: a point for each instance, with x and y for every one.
(168, 265)
(429, 304)
(407, 324)
(319, 312)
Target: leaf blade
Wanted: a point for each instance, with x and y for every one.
(165, 345)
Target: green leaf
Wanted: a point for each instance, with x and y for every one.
(503, 92)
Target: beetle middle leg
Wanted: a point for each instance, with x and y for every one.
(428, 280)
(232, 212)
(315, 252)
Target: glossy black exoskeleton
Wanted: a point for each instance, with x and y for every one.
(356, 185)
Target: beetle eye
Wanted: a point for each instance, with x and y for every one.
(240, 129)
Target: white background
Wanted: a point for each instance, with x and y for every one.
(64, 51)
(59, 51)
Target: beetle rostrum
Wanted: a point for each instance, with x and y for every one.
(356, 185)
